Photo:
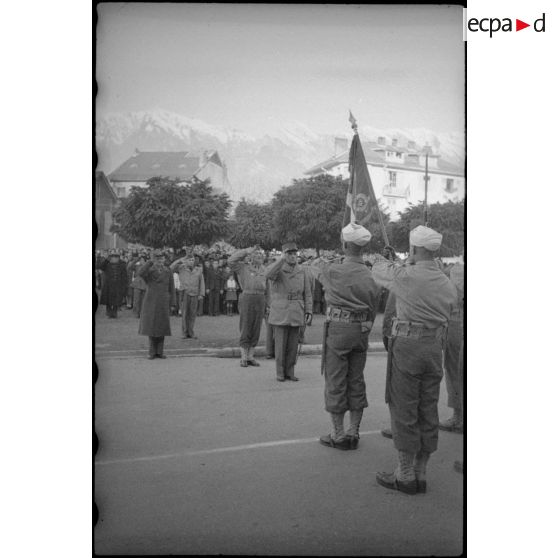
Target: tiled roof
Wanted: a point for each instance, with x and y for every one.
(144, 165)
(376, 159)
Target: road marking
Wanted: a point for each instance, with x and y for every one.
(217, 450)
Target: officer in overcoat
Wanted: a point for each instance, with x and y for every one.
(159, 298)
(115, 283)
(352, 297)
(290, 308)
(424, 299)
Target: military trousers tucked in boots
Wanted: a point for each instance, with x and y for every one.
(413, 393)
(346, 346)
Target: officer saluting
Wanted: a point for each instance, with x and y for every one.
(424, 301)
(351, 296)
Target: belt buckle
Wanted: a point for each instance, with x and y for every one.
(335, 313)
(345, 315)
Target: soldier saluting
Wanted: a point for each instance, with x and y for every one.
(424, 301)
(351, 296)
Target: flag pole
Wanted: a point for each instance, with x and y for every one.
(354, 126)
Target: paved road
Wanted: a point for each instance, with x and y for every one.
(200, 456)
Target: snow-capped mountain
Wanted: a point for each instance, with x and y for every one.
(257, 165)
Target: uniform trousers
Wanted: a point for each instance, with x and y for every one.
(214, 300)
(189, 309)
(251, 308)
(156, 346)
(269, 340)
(413, 392)
(344, 359)
(200, 307)
(452, 363)
(286, 346)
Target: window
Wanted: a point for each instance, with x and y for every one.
(392, 179)
(121, 191)
(450, 186)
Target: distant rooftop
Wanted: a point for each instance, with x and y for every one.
(373, 153)
(144, 165)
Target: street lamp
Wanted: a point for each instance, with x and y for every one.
(426, 150)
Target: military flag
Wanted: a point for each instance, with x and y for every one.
(361, 201)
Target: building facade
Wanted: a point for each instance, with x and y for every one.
(105, 204)
(398, 173)
(181, 165)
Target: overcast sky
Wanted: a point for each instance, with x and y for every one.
(237, 65)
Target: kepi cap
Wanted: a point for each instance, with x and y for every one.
(289, 247)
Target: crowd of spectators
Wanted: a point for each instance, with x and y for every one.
(222, 287)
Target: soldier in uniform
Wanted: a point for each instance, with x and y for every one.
(290, 308)
(454, 384)
(159, 298)
(351, 296)
(138, 285)
(424, 301)
(192, 289)
(115, 283)
(251, 303)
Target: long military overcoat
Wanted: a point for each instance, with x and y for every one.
(115, 283)
(159, 297)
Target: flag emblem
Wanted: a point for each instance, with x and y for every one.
(361, 208)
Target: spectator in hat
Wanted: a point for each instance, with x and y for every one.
(290, 308)
(115, 283)
(214, 288)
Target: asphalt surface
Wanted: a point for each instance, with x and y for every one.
(200, 456)
(120, 337)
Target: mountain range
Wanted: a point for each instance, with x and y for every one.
(257, 165)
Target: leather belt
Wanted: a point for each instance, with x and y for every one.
(334, 314)
(253, 292)
(414, 330)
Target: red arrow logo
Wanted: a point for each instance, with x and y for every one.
(519, 25)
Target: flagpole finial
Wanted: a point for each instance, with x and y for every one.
(353, 122)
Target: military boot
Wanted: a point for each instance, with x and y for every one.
(352, 431)
(337, 438)
(403, 478)
(421, 459)
(243, 357)
(250, 357)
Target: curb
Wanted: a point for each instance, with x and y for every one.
(227, 352)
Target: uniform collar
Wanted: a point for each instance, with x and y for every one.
(357, 259)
